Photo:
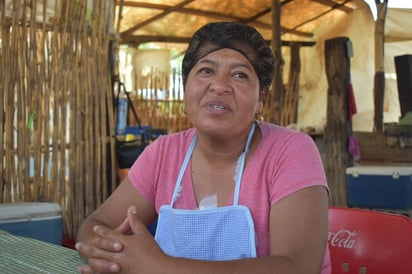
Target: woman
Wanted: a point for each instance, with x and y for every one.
(232, 195)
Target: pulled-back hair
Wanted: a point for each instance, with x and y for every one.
(237, 36)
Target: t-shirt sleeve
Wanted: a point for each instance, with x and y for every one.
(142, 171)
(298, 165)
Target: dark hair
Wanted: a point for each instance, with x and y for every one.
(243, 38)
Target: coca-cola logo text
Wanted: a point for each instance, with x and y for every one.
(343, 238)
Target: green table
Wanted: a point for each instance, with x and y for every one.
(26, 255)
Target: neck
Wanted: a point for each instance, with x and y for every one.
(222, 152)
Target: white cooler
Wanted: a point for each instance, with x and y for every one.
(42, 221)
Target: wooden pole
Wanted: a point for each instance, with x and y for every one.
(291, 93)
(277, 84)
(379, 81)
(338, 127)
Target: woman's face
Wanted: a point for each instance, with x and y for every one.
(222, 93)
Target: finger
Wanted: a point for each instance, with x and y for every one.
(98, 259)
(106, 240)
(84, 269)
(102, 230)
(96, 265)
(124, 227)
(93, 251)
(87, 250)
(136, 225)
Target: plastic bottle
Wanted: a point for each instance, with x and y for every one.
(122, 113)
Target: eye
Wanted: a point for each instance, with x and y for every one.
(204, 71)
(240, 75)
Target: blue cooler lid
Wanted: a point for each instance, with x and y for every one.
(12, 212)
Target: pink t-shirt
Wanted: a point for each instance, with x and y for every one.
(285, 161)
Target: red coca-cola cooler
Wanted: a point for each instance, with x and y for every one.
(369, 241)
(380, 187)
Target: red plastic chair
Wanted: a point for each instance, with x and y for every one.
(369, 242)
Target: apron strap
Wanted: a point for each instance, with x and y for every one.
(182, 170)
(239, 168)
(241, 165)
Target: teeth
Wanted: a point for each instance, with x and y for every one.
(218, 107)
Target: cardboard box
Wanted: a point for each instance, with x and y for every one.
(41, 221)
(380, 187)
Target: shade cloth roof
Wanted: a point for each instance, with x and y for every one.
(174, 21)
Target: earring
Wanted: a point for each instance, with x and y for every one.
(258, 115)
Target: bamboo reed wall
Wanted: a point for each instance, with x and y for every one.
(56, 115)
(159, 107)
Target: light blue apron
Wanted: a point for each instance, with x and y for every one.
(222, 233)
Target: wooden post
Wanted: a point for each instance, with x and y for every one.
(338, 126)
(291, 93)
(277, 85)
(379, 81)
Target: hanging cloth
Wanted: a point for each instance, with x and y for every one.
(351, 102)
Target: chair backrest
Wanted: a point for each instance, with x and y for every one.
(369, 242)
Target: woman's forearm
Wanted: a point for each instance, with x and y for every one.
(262, 265)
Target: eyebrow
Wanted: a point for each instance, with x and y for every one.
(233, 65)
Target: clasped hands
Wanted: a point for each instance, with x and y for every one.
(128, 248)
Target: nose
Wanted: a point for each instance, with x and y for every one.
(220, 84)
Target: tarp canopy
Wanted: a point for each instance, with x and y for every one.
(398, 25)
(177, 20)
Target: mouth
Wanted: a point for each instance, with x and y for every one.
(218, 107)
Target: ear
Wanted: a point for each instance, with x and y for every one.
(263, 94)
